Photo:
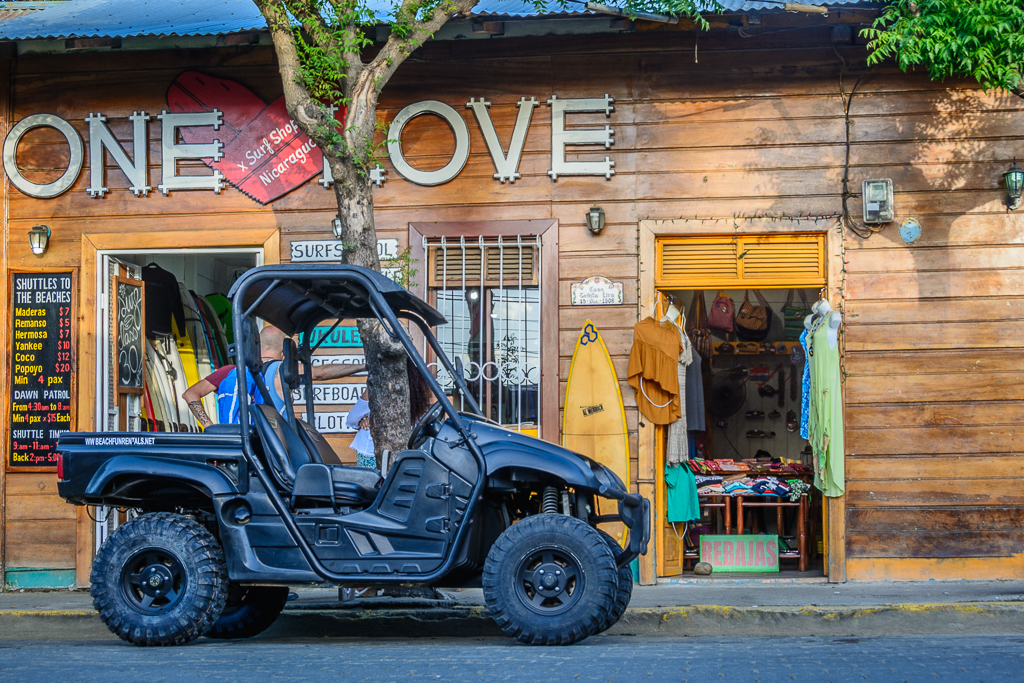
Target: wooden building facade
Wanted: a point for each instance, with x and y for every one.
(723, 135)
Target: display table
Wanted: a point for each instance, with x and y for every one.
(745, 502)
(753, 501)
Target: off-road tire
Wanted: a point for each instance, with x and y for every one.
(250, 610)
(624, 589)
(553, 541)
(193, 563)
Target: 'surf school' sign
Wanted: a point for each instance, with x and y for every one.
(257, 148)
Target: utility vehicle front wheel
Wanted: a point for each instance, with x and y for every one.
(250, 610)
(550, 580)
(160, 579)
(624, 589)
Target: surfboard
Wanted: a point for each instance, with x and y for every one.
(594, 420)
(160, 390)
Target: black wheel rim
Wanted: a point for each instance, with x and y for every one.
(153, 581)
(549, 581)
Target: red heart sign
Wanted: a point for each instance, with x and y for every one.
(265, 155)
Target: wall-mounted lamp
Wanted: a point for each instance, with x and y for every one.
(39, 237)
(1014, 185)
(337, 228)
(595, 219)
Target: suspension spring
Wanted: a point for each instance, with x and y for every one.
(549, 502)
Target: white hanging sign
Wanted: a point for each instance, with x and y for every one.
(319, 251)
(332, 422)
(596, 291)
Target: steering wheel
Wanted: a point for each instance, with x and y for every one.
(427, 426)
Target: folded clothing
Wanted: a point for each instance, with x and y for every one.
(707, 479)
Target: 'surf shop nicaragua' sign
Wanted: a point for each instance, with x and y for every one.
(257, 148)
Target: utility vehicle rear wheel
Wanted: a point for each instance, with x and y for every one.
(250, 610)
(550, 580)
(160, 579)
(623, 591)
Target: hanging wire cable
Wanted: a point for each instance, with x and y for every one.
(862, 231)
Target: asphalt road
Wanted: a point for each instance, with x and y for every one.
(607, 659)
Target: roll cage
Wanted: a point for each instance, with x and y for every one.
(296, 298)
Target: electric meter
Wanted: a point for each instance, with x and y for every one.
(878, 205)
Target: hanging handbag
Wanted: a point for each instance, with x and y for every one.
(697, 327)
(753, 320)
(793, 316)
(722, 312)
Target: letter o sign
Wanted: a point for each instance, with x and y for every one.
(70, 175)
(459, 128)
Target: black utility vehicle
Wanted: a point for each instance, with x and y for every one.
(230, 518)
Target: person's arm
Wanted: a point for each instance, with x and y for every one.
(336, 370)
(193, 397)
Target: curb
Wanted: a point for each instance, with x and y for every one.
(475, 622)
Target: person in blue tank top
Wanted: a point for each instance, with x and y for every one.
(224, 381)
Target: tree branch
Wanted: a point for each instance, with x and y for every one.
(301, 107)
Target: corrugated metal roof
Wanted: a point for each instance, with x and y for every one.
(125, 18)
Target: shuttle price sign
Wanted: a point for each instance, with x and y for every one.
(42, 366)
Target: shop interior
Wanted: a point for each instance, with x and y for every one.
(752, 467)
(187, 329)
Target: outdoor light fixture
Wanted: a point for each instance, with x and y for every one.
(595, 219)
(337, 228)
(878, 203)
(39, 237)
(1014, 184)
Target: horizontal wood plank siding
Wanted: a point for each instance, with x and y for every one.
(933, 338)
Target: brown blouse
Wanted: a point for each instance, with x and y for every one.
(654, 360)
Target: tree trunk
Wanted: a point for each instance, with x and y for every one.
(387, 382)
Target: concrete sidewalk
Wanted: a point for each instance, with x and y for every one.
(695, 607)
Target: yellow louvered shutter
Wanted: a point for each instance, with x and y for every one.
(743, 261)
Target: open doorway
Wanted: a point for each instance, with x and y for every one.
(752, 462)
(163, 323)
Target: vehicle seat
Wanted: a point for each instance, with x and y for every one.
(286, 453)
(316, 444)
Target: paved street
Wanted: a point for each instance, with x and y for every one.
(608, 659)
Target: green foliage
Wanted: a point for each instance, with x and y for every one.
(980, 39)
(404, 262)
(693, 9)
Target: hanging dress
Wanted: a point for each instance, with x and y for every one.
(826, 411)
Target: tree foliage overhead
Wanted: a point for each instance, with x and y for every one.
(979, 39)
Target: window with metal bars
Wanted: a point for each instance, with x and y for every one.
(488, 289)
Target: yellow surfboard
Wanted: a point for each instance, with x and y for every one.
(594, 421)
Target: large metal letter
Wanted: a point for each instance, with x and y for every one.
(459, 128)
(378, 174)
(560, 137)
(327, 179)
(507, 167)
(100, 137)
(172, 151)
(69, 176)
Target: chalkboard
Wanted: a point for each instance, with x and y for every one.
(129, 335)
(42, 366)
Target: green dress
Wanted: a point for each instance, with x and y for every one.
(826, 412)
(681, 495)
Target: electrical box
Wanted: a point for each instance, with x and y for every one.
(878, 204)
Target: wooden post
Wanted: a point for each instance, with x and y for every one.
(801, 531)
(7, 52)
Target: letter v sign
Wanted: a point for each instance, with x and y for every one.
(506, 167)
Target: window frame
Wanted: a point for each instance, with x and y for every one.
(547, 231)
